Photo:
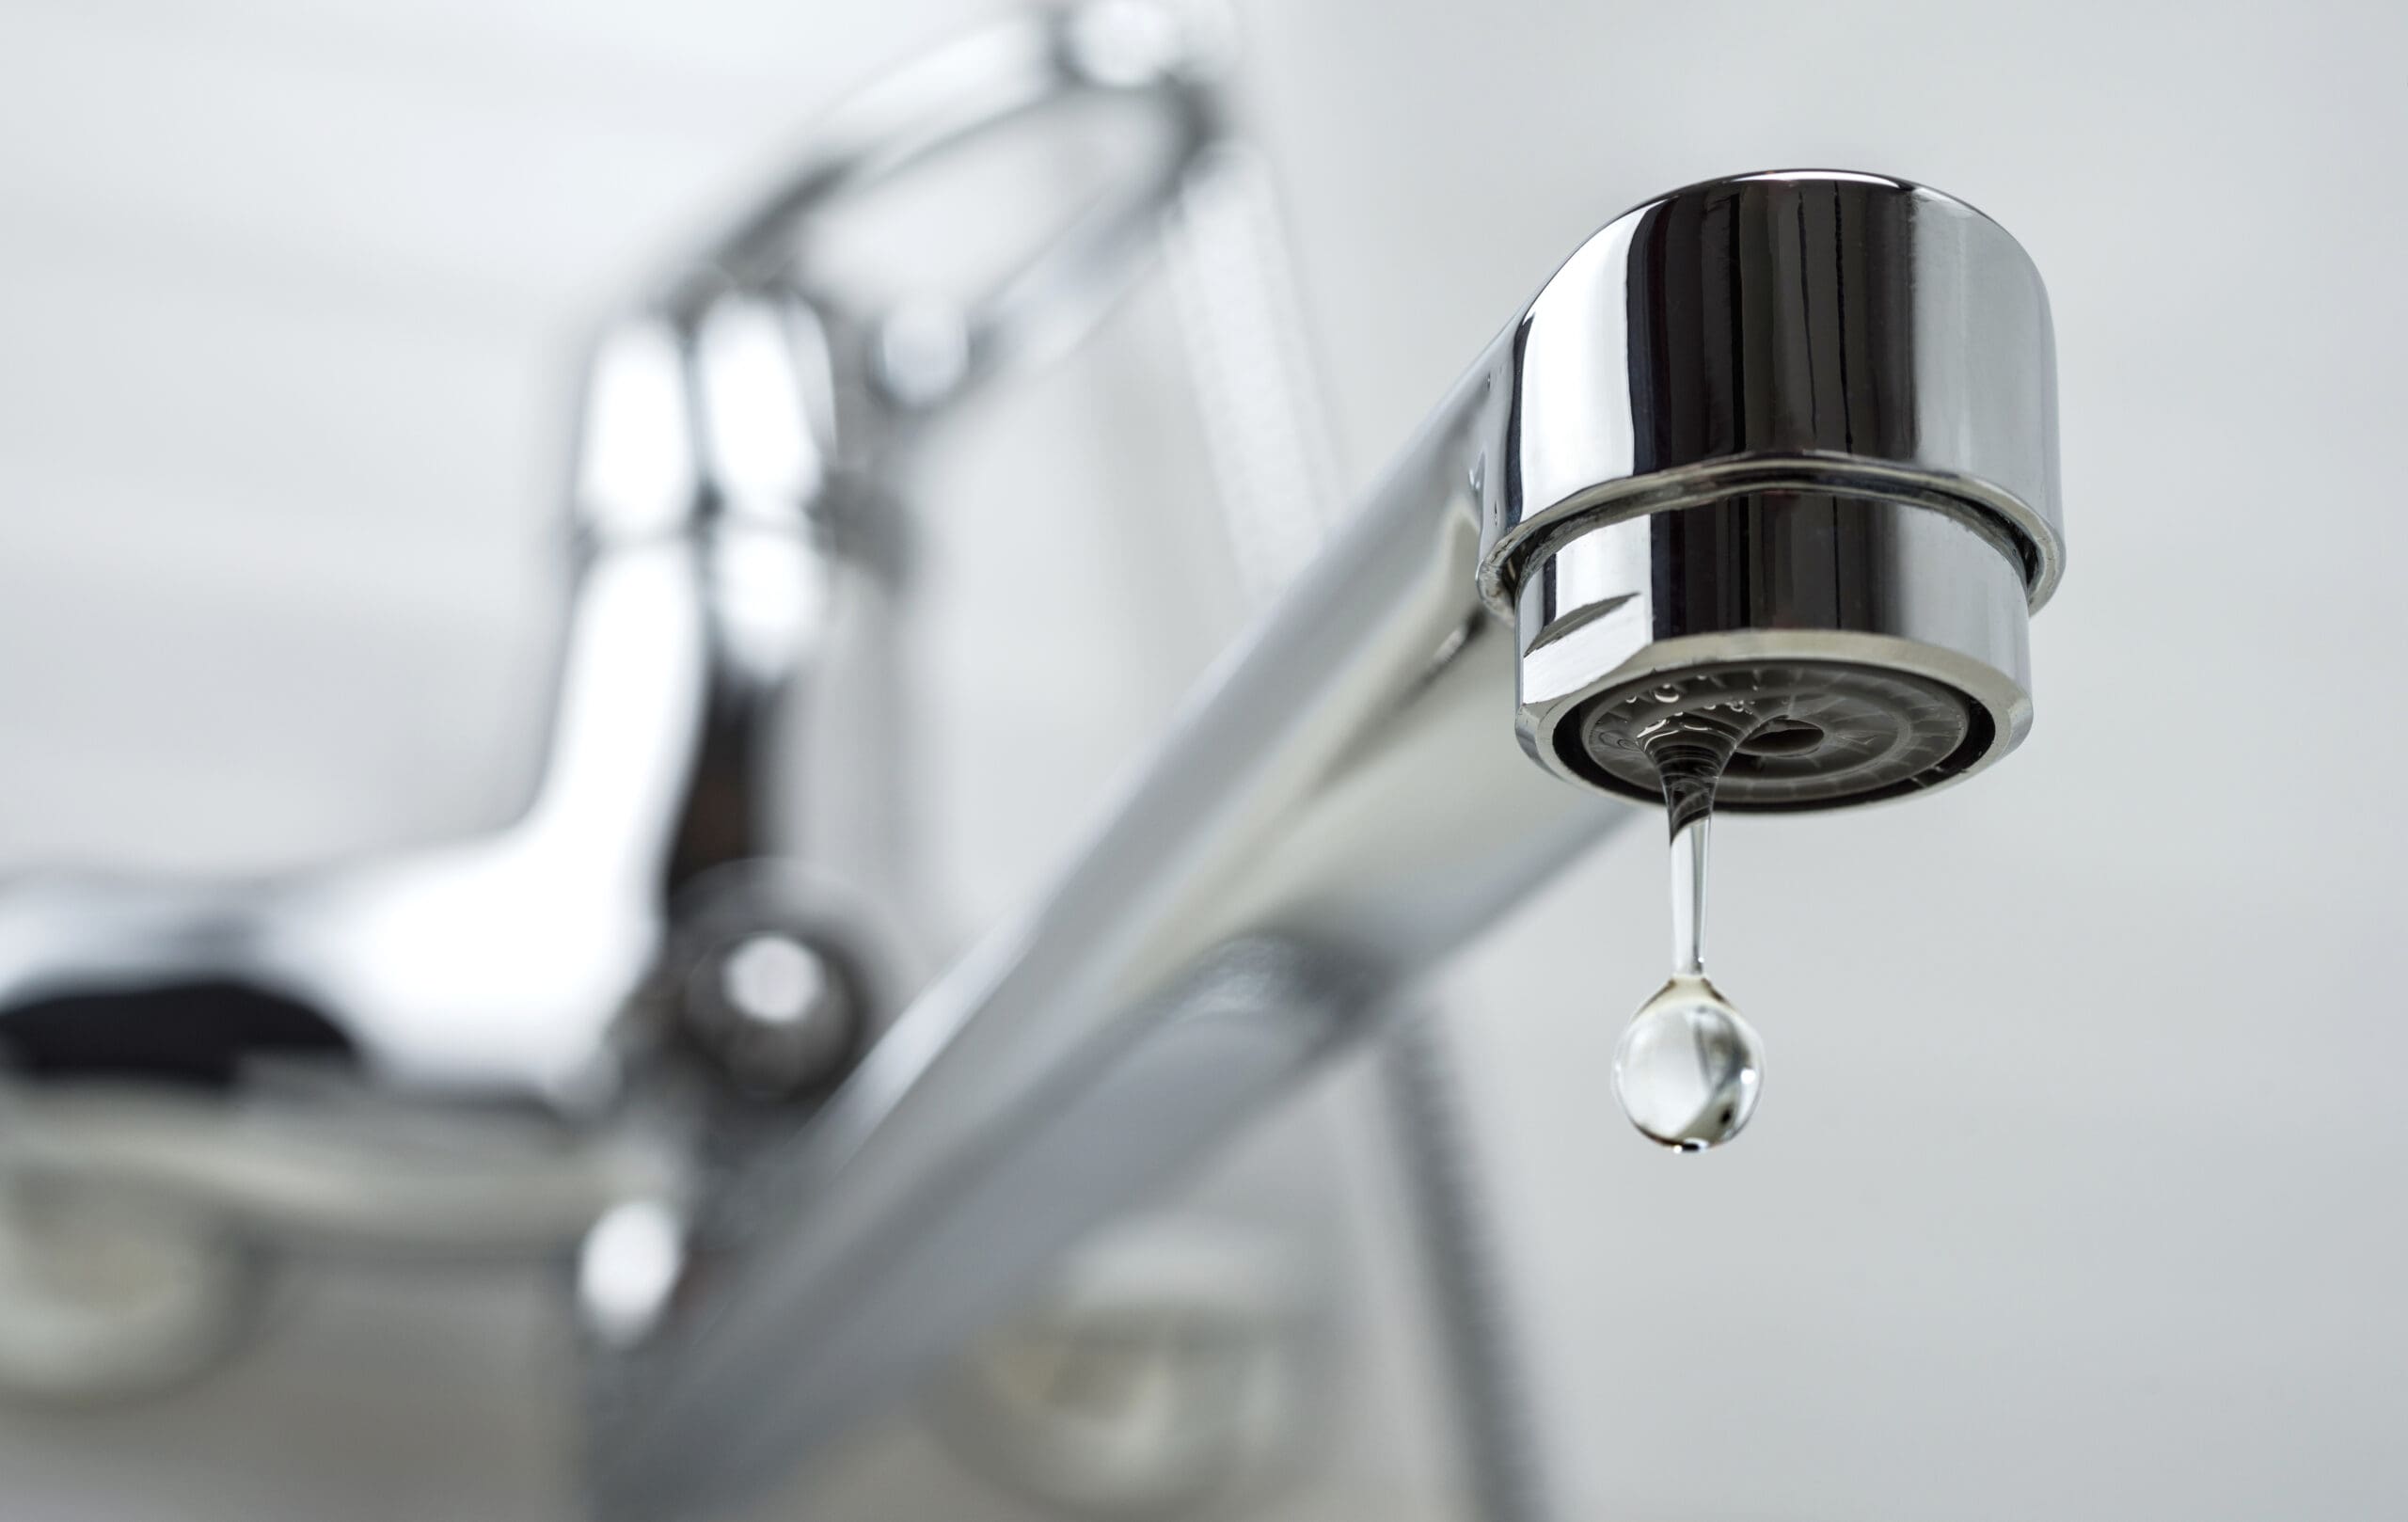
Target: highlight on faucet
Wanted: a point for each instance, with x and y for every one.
(934, 761)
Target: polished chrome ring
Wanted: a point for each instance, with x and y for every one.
(1896, 635)
(1807, 330)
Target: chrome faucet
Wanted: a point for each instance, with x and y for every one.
(1784, 440)
(1782, 445)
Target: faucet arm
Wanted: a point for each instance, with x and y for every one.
(1777, 438)
(1342, 806)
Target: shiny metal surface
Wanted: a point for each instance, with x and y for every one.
(1338, 809)
(1817, 488)
(1770, 598)
(1802, 330)
(777, 985)
(465, 1047)
(1342, 790)
(1161, 57)
(487, 969)
(1374, 694)
(1280, 498)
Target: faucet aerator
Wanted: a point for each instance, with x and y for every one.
(1781, 448)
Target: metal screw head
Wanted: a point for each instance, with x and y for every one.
(773, 1010)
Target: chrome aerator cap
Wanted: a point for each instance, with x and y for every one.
(1782, 447)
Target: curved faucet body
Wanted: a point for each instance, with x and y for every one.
(1344, 803)
(1753, 442)
(482, 1046)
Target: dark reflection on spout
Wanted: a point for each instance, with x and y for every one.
(1772, 315)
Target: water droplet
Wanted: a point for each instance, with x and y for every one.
(1688, 1068)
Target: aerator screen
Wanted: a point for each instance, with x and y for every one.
(1823, 733)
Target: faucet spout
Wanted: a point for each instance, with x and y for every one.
(1848, 375)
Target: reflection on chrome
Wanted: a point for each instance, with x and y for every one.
(1751, 436)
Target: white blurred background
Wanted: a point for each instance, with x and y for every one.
(2077, 1192)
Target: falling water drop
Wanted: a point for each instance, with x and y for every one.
(1688, 1069)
